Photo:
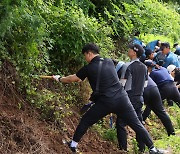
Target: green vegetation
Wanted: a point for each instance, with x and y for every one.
(45, 37)
(156, 130)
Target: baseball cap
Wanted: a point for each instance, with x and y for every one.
(149, 63)
(137, 48)
(171, 68)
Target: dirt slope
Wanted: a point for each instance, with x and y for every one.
(22, 131)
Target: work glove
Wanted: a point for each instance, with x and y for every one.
(56, 77)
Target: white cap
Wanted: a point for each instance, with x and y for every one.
(171, 68)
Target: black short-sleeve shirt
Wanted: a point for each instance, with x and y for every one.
(136, 74)
(109, 84)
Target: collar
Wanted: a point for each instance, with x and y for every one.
(96, 58)
(168, 53)
(137, 59)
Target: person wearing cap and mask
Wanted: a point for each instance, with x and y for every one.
(171, 69)
(165, 83)
(175, 74)
(133, 77)
(153, 101)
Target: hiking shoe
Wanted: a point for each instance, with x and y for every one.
(171, 133)
(73, 149)
(155, 151)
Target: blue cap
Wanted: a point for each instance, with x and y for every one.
(149, 63)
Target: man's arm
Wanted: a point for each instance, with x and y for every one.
(70, 78)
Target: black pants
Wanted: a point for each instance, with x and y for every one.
(123, 108)
(122, 134)
(169, 91)
(153, 102)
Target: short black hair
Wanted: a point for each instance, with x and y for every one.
(177, 75)
(91, 47)
(148, 52)
(165, 45)
(158, 41)
(175, 44)
(137, 48)
(137, 33)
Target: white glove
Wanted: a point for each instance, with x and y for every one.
(56, 77)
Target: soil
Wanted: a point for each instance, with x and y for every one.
(23, 131)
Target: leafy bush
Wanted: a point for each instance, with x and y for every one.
(148, 16)
(110, 134)
(23, 39)
(71, 30)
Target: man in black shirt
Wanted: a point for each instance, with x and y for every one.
(112, 97)
(134, 76)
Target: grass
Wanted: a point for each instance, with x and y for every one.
(161, 140)
(156, 129)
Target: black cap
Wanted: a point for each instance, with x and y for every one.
(137, 48)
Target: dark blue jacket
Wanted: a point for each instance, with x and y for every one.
(160, 76)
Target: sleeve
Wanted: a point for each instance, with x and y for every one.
(119, 66)
(124, 76)
(82, 73)
(127, 73)
(123, 71)
(167, 62)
